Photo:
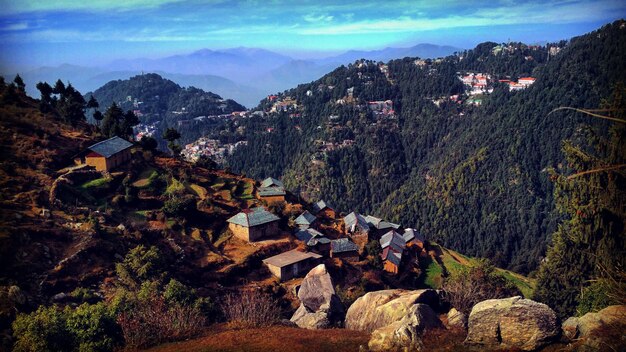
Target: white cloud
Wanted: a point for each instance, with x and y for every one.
(314, 18)
(22, 6)
(538, 13)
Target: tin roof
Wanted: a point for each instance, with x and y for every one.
(380, 224)
(305, 218)
(290, 257)
(271, 191)
(320, 205)
(317, 240)
(411, 234)
(110, 147)
(356, 221)
(272, 182)
(392, 256)
(306, 234)
(392, 239)
(253, 217)
(343, 245)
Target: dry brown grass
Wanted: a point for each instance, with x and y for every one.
(275, 338)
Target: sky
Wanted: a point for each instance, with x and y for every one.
(93, 32)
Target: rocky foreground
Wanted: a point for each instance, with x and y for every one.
(400, 319)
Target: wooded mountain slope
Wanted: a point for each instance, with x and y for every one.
(470, 177)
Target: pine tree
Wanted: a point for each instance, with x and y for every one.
(19, 83)
(111, 121)
(590, 245)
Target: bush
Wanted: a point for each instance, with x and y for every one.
(251, 308)
(42, 330)
(600, 294)
(178, 206)
(154, 322)
(469, 286)
(139, 265)
(94, 327)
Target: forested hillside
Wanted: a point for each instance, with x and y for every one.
(161, 102)
(467, 171)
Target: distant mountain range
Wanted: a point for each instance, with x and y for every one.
(243, 74)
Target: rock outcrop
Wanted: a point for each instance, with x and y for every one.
(512, 323)
(457, 319)
(378, 309)
(320, 307)
(603, 330)
(405, 333)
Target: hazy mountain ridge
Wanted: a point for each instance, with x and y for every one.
(244, 74)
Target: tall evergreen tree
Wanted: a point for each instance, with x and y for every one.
(111, 121)
(591, 244)
(46, 99)
(19, 83)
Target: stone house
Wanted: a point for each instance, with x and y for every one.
(272, 190)
(322, 208)
(345, 249)
(254, 224)
(290, 264)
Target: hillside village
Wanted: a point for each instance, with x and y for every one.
(111, 244)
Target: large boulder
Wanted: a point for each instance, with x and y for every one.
(603, 330)
(405, 333)
(457, 319)
(380, 308)
(320, 307)
(512, 323)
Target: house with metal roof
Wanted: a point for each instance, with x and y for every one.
(272, 190)
(391, 260)
(379, 226)
(344, 248)
(254, 224)
(314, 240)
(305, 219)
(412, 237)
(394, 240)
(392, 244)
(108, 154)
(290, 264)
(271, 182)
(321, 208)
(355, 223)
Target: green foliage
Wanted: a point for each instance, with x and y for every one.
(94, 327)
(139, 265)
(469, 285)
(373, 251)
(470, 178)
(117, 123)
(175, 292)
(97, 183)
(161, 98)
(148, 143)
(600, 294)
(179, 205)
(42, 331)
(589, 245)
(171, 135)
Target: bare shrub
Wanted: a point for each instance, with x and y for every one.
(251, 308)
(469, 286)
(155, 322)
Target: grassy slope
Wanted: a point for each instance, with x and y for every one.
(454, 261)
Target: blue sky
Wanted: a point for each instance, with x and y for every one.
(92, 32)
